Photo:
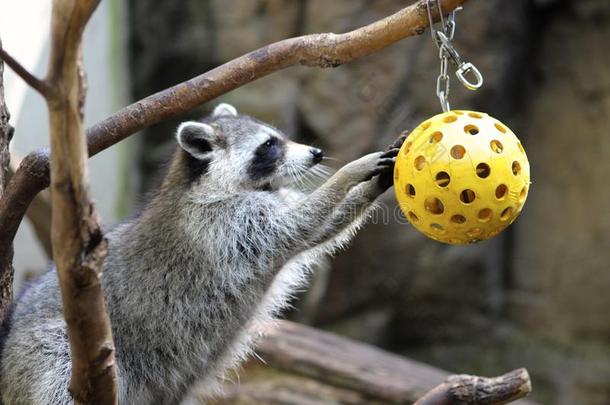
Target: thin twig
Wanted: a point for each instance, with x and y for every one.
(469, 389)
(34, 82)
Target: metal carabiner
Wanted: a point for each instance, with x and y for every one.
(466, 68)
(446, 47)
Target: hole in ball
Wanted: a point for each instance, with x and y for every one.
(426, 125)
(436, 137)
(410, 190)
(434, 206)
(500, 127)
(449, 119)
(516, 168)
(471, 129)
(467, 196)
(485, 215)
(497, 146)
(523, 194)
(413, 217)
(420, 162)
(443, 179)
(396, 173)
(458, 152)
(458, 219)
(483, 170)
(475, 115)
(437, 228)
(521, 147)
(407, 148)
(501, 191)
(506, 214)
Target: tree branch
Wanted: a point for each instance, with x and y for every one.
(469, 389)
(38, 213)
(37, 84)
(318, 50)
(31, 177)
(6, 254)
(299, 361)
(79, 246)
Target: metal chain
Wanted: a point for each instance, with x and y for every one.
(447, 52)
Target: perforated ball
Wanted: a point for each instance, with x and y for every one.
(461, 177)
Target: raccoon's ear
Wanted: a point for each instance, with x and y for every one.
(196, 138)
(224, 109)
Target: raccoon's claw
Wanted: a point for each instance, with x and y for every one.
(399, 141)
(390, 153)
(386, 163)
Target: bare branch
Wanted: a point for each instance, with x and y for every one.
(6, 251)
(317, 50)
(470, 389)
(31, 177)
(38, 213)
(79, 246)
(306, 362)
(34, 82)
(6, 133)
(323, 50)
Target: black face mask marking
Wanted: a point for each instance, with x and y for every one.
(266, 159)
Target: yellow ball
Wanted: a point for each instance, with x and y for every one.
(461, 177)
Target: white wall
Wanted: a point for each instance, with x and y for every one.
(24, 29)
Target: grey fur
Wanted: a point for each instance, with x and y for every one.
(189, 280)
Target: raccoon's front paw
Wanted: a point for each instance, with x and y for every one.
(386, 176)
(385, 168)
(363, 169)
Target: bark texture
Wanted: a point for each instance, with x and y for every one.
(79, 246)
(469, 389)
(6, 252)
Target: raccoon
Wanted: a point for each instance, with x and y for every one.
(215, 253)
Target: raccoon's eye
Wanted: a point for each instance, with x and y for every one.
(269, 143)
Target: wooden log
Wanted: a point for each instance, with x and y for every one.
(304, 365)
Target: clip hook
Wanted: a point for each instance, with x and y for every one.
(466, 68)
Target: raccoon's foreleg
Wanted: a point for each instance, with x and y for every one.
(352, 210)
(312, 214)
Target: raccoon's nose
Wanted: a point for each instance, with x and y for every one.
(317, 154)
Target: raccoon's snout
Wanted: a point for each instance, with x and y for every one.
(317, 154)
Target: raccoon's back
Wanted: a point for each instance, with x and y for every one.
(35, 359)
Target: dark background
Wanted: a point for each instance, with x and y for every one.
(536, 296)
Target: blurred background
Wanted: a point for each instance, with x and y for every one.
(536, 296)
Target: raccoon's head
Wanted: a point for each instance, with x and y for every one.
(239, 152)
